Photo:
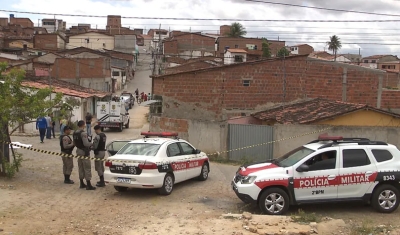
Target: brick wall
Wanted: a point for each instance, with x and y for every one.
(305, 49)
(190, 42)
(205, 94)
(241, 43)
(188, 66)
(24, 22)
(179, 60)
(45, 41)
(81, 68)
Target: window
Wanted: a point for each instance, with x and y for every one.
(142, 149)
(238, 58)
(255, 47)
(381, 155)
(294, 156)
(373, 61)
(123, 74)
(322, 161)
(187, 149)
(246, 82)
(354, 158)
(173, 150)
(384, 66)
(236, 46)
(115, 73)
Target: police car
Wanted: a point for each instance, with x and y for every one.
(329, 169)
(154, 162)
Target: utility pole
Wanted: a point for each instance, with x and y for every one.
(191, 43)
(50, 80)
(55, 23)
(159, 49)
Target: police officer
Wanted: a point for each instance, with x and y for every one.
(99, 148)
(67, 145)
(83, 146)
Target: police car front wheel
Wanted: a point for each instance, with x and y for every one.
(274, 201)
(385, 198)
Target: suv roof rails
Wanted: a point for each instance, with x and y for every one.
(344, 139)
(355, 142)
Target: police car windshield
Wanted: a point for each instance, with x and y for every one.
(294, 156)
(142, 149)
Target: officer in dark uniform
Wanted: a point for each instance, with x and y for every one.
(67, 145)
(83, 146)
(99, 148)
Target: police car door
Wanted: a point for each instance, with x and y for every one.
(194, 167)
(177, 161)
(357, 172)
(316, 179)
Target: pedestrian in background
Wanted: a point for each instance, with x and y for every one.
(145, 97)
(99, 149)
(63, 123)
(83, 146)
(53, 124)
(67, 146)
(48, 129)
(41, 125)
(149, 96)
(89, 118)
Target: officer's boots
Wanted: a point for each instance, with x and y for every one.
(101, 182)
(82, 185)
(89, 185)
(67, 180)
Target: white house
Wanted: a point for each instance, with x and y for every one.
(87, 98)
(119, 75)
(92, 40)
(232, 56)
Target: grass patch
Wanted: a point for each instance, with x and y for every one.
(367, 228)
(304, 217)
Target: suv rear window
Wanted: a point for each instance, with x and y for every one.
(355, 157)
(382, 155)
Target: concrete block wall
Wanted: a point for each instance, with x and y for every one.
(388, 134)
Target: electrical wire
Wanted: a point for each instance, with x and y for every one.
(322, 8)
(203, 19)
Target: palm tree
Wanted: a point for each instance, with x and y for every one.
(334, 44)
(237, 30)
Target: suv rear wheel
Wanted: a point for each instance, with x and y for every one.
(274, 201)
(385, 198)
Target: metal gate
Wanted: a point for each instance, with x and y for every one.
(248, 135)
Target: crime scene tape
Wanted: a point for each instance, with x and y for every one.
(160, 163)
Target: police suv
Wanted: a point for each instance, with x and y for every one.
(158, 162)
(329, 169)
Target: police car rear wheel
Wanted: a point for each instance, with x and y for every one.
(120, 189)
(168, 185)
(204, 172)
(385, 198)
(274, 201)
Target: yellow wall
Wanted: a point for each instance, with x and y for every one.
(362, 118)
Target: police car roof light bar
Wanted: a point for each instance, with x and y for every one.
(326, 137)
(159, 134)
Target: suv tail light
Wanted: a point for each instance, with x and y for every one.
(148, 166)
(108, 164)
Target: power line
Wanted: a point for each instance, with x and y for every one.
(322, 8)
(203, 19)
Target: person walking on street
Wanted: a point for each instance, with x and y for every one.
(41, 125)
(63, 123)
(67, 146)
(145, 97)
(48, 130)
(137, 95)
(83, 145)
(99, 148)
(89, 118)
(53, 124)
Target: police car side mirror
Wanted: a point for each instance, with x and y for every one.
(197, 151)
(303, 168)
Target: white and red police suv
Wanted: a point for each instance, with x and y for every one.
(155, 161)
(329, 169)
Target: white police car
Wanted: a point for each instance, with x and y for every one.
(329, 169)
(154, 163)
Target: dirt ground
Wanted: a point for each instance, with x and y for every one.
(36, 201)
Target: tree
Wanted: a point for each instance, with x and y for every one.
(283, 52)
(20, 105)
(334, 44)
(237, 30)
(266, 49)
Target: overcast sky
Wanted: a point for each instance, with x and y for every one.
(353, 35)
